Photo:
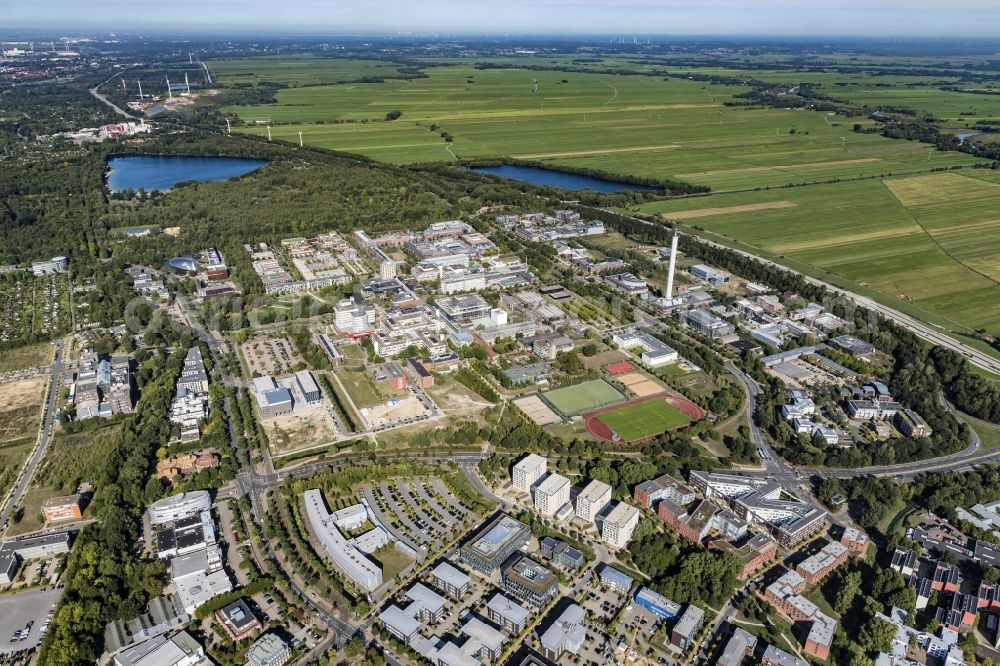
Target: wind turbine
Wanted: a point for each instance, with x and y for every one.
(170, 93)
(300, 139)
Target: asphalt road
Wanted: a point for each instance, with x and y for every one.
(926, 331)
(44, 434)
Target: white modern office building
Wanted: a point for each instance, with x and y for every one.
(551, 494)
(172, 509)
(619, 525)
(592, 500)
(527, 471)
(362, 571)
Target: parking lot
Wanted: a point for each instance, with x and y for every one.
(17, 610)
(636, 628)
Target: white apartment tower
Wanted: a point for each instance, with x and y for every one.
(619, 525)
(527, 471)
(592, 500)
(551, 494)
(387, 269)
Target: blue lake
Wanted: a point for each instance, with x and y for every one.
(566, 181)
(161, 172)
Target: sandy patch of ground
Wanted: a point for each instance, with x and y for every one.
(387, 413)
(746, 208)
(299, 430)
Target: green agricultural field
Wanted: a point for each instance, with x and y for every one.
(644, 419)
(635, 125)
(297, 70)
(572, 400)
(929, 243)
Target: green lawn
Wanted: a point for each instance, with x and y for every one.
(392, 560)
(572, 400)
(644, 419)
(28, 356)
(364, 390)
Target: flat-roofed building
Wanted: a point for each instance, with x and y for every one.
(490, 547)
(592, 500)
(530, 582)
(775, 656)
(400, 624)
(199, 576)
(911, 424)
(307, 387)
(451, 581)
(238, 620)
(566, 634)
(527, 471)
(648, 493)
(57, 509)
(615, 579)
(484, 641)
(175, 507)
(759, 500)
(30, 548)
(657, 604)
(706, 323)
(686, 629)
(507, 613)
(362, 571)
(739, 648)
(551, 494)
(618, 526)
(426, 604)
(709, 274)
(819, 565)
(820, 636)
(269, 650)
(856, 541)
(178, 650)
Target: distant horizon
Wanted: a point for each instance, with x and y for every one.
(878, 19)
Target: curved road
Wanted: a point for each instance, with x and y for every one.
(101, 98)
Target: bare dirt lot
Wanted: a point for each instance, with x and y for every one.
(20, 407)
(300, 430)
(386, 414)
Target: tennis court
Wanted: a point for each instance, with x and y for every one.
(572, 400)
(537, 410)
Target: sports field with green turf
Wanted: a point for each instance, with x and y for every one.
(644, 419)
(572, 400)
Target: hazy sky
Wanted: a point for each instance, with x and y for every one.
(770, 17)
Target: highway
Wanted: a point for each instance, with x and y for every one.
(105, 100)
(44, 435)
(926, 331)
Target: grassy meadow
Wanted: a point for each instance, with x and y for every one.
(875, 215)
(930, 241)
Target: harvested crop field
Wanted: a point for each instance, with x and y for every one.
(711, 212)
